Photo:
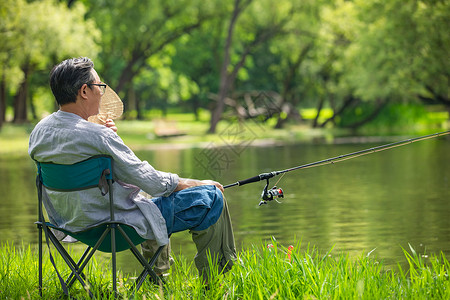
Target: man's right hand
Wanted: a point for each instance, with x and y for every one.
(185, 183)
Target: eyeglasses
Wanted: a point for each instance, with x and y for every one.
(101, 85)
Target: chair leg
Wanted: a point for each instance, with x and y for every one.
(136, 252)
(69, 261)
(71, 279)
(40, 261)
(140, 280)
(82, 263)
(113, 254)
(148, 266)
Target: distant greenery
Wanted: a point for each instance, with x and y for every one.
(267, 272)
(347, 58)
(394, 119)
(14, 139)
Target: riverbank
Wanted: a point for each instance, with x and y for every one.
(186, 133)
(183, 131)
(264, 272)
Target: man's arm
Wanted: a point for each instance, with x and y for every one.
(185, 183)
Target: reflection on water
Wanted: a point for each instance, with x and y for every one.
(384, 200)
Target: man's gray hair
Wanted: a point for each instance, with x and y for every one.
(68, 77)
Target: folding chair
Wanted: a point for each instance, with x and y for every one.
(110, 236)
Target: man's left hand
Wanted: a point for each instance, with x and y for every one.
(110, 124)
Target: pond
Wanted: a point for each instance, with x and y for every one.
(382, 201)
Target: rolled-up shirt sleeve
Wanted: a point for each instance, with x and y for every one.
(130, 169)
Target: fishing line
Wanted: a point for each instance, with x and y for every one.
(273, 193)
(282, 175)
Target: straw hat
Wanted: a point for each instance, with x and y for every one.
(111, 107)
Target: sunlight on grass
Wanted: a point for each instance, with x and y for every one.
(14, 139)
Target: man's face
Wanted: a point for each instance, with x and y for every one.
(94, 95)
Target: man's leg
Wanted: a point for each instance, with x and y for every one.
(218, 240)
(164, 260)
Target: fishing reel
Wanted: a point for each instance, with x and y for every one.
(270, 194)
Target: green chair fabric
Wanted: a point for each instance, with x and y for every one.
(90, 237)
(82, 175)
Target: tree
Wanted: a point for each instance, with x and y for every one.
(400, 51)
(226, 77)
(9, 21)
(371, 53)
(44, 31)
(163, 85)
(279, 62)
(198, 56)
(324, 72)
(251, 24)
(135, 31)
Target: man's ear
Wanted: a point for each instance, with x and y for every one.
(82, 92)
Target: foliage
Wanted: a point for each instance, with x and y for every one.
(267, 272)
(401, 50)
(327, 54)
(394, 118)
(35, 36)
(368, 51)
(161, 86)
(137, 37)
(251, 25)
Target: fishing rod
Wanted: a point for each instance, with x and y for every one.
(275, 192)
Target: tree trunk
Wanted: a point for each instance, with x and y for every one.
(2, 99)
(20, 99)
(224, 75)
(288, 84)
(195, 107)
(133, 102)
(281, 121)
(128, 73)
(33, 107)
(348, 100)
(435, 98)
(20, 104)
(70, 3)
(227, 78)
(319, 109)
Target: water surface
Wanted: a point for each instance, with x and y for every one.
(381, 201)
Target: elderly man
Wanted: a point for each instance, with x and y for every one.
(66, 137)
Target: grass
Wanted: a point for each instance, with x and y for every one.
(14, 139)
(274, 272)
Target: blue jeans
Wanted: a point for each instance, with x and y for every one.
(195, 208)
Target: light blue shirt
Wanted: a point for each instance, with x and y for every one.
(66, 138)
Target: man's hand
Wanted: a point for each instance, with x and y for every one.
(185, 183)
(110, 124)
(212, 182)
